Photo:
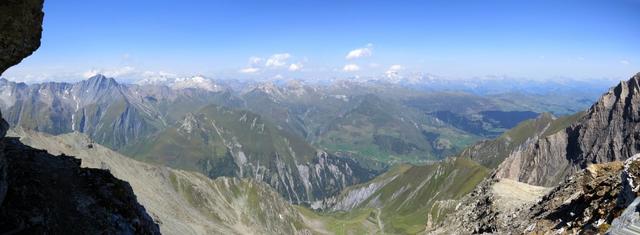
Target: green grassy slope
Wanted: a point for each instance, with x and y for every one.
(408, 197)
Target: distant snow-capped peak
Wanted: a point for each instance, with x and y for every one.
(195, 82)
(198, 82)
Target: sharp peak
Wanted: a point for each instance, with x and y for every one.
(633, 81)
(619, 92)
(100, 77)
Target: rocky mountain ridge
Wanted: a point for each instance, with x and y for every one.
(219, 141)
(608, 131)
(583, 165)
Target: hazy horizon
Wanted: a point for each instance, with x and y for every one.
(256, 40)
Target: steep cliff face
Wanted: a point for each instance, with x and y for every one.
(609, 131)
(491, 153)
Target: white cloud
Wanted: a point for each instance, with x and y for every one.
(295, 67)
(395, 67)
(113, 72)
(625, 62)
(360, 52)
(249, 70)
(254, 60)
(154, 74)
(277, 60)
(351, 68)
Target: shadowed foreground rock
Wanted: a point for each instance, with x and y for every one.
(21, 27)
(52, 194)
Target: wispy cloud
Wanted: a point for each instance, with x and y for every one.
(254, 60)
(396, 67)
(360, 52)
(254, 65)
(277, 60)
(351, 68)
(249, 70)
(111, 72)
(625, 62)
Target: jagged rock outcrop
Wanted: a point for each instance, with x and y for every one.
(629, 221)
(587, 202)
(609, 131)
(21, 27)
(581, 162)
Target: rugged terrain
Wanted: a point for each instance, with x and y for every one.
(219, 141)
(368, 121)
(53, 194)
(491, 153)
(582, 163)
(608, 131)
(402, 199)
(183, 202)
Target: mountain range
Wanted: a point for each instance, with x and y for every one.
(324, 138)
(343, 156)
(199, 156)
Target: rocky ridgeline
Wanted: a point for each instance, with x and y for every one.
(41, 193)
(582, 163)
(609, 131)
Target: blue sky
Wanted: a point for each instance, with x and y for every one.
(536, 39)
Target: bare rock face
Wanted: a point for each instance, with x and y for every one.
(609, 131)
(588, 202)
(21, 27)
(629, 221)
